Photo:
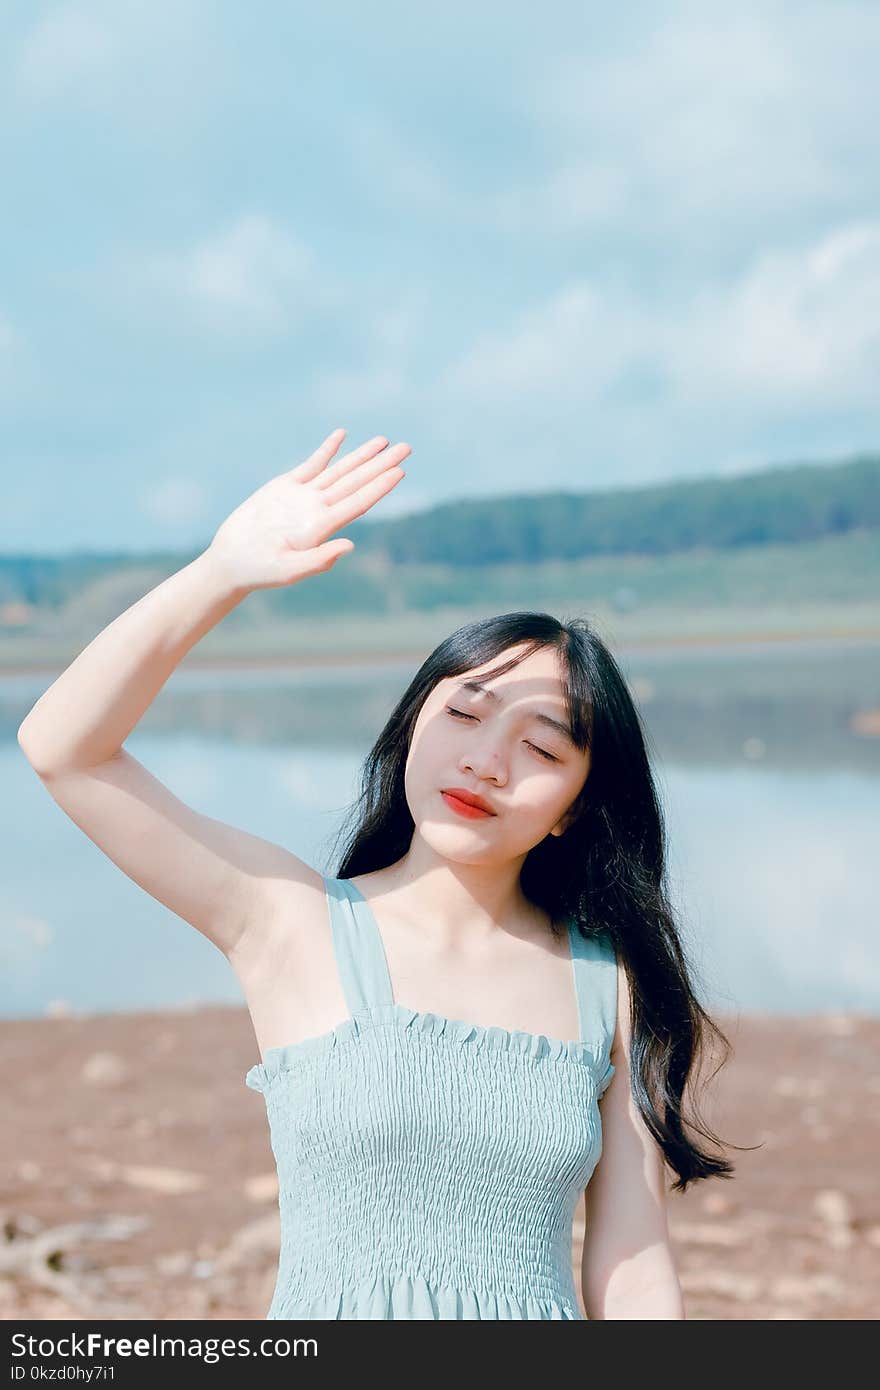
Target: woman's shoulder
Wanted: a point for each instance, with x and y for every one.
(595, 941)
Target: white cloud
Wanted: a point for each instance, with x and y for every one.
(799, 325)
(65, 48)
(574, 342)
(643, 244)
(796, 323)
(730, 118)
(143, 66)
(246, 267)
(253, 277)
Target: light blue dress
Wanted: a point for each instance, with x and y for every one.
(430, 1168)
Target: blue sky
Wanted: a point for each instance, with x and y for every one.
(550, 246)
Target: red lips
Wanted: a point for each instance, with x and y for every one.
(462, 795)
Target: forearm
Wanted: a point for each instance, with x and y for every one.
(88, 712)
(643, 1288)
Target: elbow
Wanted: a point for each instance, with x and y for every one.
(23, 742)
(31, 750)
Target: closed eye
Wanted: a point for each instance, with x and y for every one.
(459, 714)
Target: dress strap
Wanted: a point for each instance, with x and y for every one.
(360, 955)
(595, 976)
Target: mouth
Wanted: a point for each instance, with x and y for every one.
(470, 809)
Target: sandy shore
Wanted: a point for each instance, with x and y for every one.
(137, 1178)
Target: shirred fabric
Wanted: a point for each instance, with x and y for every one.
(429, 1168)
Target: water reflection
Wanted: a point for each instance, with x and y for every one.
(800, 705)
(767, 766)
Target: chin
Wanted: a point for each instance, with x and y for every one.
(449, 842)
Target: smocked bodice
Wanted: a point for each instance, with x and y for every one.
(428, 1167)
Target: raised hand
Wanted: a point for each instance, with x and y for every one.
(279, 534)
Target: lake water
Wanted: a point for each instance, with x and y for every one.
(767, 760)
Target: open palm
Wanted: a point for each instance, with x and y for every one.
(280, 533)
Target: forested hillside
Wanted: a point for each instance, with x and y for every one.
(797, 546)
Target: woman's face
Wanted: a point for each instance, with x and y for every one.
(496, 747)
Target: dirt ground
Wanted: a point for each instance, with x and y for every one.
(137, 1177)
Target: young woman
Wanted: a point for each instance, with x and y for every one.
(439, 1023)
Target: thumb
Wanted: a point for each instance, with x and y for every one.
(330, 551)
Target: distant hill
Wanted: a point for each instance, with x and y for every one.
(788, 504)
(583, 543)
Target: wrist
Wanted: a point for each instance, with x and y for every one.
(211, 564)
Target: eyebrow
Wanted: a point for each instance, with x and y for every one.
(478, 688)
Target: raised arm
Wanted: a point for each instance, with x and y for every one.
(218, 878)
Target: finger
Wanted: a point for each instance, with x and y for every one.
(350, 483)
(360, 501)
(331, 550)
(344, 465)
(315, 462)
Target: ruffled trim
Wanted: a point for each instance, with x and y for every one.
(384, 1296)
(535, 1046)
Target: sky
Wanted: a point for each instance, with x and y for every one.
(563, 246)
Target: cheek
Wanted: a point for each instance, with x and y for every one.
(430, 739)
(553, 800)
(553, 793)
(426, 757)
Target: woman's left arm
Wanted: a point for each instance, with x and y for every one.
(628, 1269)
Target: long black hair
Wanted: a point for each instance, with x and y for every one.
(608, 870)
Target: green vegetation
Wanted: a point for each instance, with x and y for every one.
(788, 551)
(784, 505)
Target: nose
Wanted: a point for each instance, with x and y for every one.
(484, 762)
